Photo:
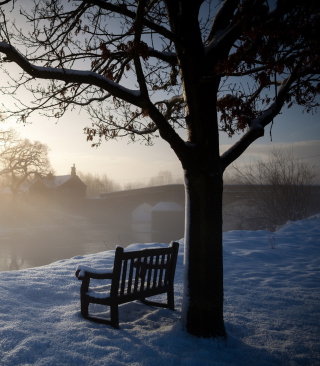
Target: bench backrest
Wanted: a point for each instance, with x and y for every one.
(147, 271)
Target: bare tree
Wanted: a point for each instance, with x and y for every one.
(162, 178)
(97, 184)
(7, 138)
(277, 189)
(22, 160)
(135, 185)
(145, 69)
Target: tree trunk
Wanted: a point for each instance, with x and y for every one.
(203, 282)
(203, 298)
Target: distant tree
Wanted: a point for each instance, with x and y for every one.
(163, 177)
(146, 68)
(281, 188)
(135, 185)
(97, 184)
(22, 160)
(7, 137)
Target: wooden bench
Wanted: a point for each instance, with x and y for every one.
(136, 275)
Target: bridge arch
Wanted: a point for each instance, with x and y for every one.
(116, 208)
(142, 213)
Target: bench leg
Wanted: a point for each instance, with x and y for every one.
(84, 308)
(114, 314)
(83, 298)
(170, 297)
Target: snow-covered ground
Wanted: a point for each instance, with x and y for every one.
(272, 310)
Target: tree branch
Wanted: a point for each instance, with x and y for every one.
(169, 57)
(258, 124)
(223, 17)
(71, 76)
(170, 104)
(6, 2)
(138, 27)
(168, 133)
(130, 14)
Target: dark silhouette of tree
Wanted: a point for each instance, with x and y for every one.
(22, 160)
(278, 189)
(148, 68)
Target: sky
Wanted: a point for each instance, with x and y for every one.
(126, 162)
(271, 312)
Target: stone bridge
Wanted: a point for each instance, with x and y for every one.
(115, 209)
(114, 206)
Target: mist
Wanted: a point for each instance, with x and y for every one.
(53, 219)
(58, 217)
(40, 229)
(35, 237)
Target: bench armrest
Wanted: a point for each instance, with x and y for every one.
(88, 272)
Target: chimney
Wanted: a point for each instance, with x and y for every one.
(73, 170)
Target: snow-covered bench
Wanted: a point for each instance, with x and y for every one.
(136, 275)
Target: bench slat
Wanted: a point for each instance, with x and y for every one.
(156, 268)
(130, 276)
(150, 270)
(161, 270)
(124, 275)
(136, 279)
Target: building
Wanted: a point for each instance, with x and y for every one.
(62, 190)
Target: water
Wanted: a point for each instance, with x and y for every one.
(32, 246)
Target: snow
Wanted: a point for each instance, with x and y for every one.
(57, 181)
(82, 269)
(54, 182)
(82, 75)
(186, 242)
(272, 310)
